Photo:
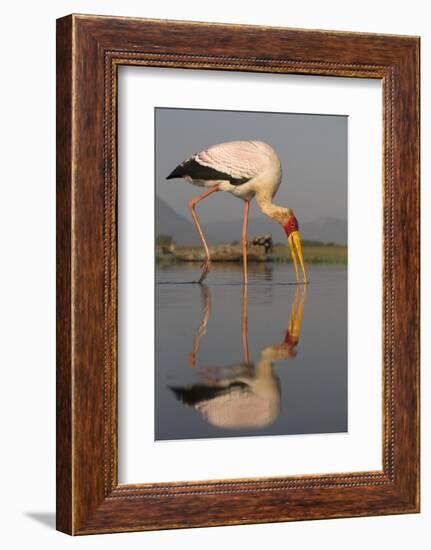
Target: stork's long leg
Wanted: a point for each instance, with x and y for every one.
(206, 300)
(244, 325)
(244, 240)
(192, 204)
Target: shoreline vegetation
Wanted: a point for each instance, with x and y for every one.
(313, 251)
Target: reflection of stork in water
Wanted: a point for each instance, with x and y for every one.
(246, 169)
(245, 395)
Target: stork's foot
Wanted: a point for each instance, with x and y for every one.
(206, 268)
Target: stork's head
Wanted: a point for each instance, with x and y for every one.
(291, 228)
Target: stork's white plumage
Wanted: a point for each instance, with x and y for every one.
(246, 169)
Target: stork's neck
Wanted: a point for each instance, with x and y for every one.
(273, 211)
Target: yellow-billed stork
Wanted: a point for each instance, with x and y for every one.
(246, 169)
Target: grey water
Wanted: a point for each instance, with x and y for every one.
(266, 359)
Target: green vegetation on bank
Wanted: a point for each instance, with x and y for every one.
(164, 240)
(260, 249)
(313, 253)
(317, 253)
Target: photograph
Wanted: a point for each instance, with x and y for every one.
(251, 260)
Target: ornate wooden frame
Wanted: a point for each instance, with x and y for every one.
(89, 51)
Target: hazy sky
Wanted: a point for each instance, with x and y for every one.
(312, 149)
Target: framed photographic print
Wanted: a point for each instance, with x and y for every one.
(237, 274)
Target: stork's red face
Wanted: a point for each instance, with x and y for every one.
(291, 225)
(291, 229)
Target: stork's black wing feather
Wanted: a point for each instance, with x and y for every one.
(195, 394)
(197, 171)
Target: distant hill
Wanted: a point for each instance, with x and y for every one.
(328, 230)
(323, 229)
(168, 222)
(183, 231)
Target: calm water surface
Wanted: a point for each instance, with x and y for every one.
(269, 360)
